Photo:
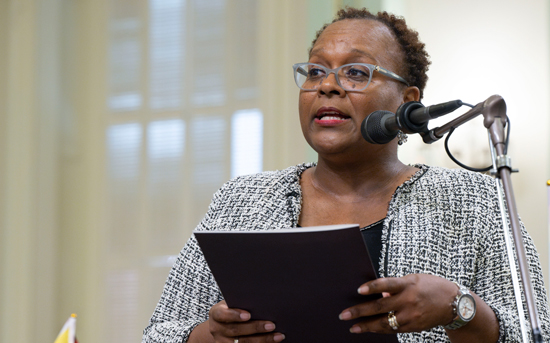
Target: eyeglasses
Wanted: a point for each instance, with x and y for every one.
(353, 77)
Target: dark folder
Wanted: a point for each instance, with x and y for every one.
(299, 278)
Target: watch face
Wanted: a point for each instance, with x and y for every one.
(466, 307)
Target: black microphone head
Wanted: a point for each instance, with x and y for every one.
(404, 113)
(372, 130)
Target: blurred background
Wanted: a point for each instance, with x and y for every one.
(120, 118)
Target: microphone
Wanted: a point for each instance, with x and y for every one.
(380, 127)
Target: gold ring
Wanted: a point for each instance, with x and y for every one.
(392, 320)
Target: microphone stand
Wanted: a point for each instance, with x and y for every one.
(494, 119)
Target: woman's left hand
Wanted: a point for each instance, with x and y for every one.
(418, 301)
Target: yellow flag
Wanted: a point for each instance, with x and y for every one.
(68, 332)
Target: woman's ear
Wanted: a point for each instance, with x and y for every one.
(411, 93)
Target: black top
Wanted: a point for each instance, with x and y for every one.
(372, 234)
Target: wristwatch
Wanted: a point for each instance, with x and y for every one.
(464, 308)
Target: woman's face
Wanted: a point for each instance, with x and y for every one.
(331, 117)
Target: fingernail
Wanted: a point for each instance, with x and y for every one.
(269, 326)
(363, 290)
(355, 329)
(345, 315)
(278, 337)
(244, 316)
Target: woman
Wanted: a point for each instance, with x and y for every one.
(438, 231)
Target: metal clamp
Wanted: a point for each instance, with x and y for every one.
(505, 161)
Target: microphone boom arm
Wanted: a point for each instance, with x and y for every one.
(437, 133)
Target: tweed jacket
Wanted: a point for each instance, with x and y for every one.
(441, 222)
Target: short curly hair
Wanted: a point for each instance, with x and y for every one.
(416, 58)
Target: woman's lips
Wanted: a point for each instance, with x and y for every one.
(330, 117)
(331, 121)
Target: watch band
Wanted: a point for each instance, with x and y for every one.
(459, 321)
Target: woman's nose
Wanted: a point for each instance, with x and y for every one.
(329, 85)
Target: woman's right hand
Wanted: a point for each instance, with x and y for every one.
(227, 325)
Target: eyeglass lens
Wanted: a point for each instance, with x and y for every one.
(350, 77)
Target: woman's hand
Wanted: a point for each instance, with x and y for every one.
(227, 325)
(419, 302)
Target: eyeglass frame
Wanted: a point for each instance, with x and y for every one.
(329, 71)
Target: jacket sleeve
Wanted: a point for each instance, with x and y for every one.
(189, 292)
(494, 282)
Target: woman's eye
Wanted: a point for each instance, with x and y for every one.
(316, 72)
(357, 73)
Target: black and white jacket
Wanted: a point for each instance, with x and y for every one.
(441, 222)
